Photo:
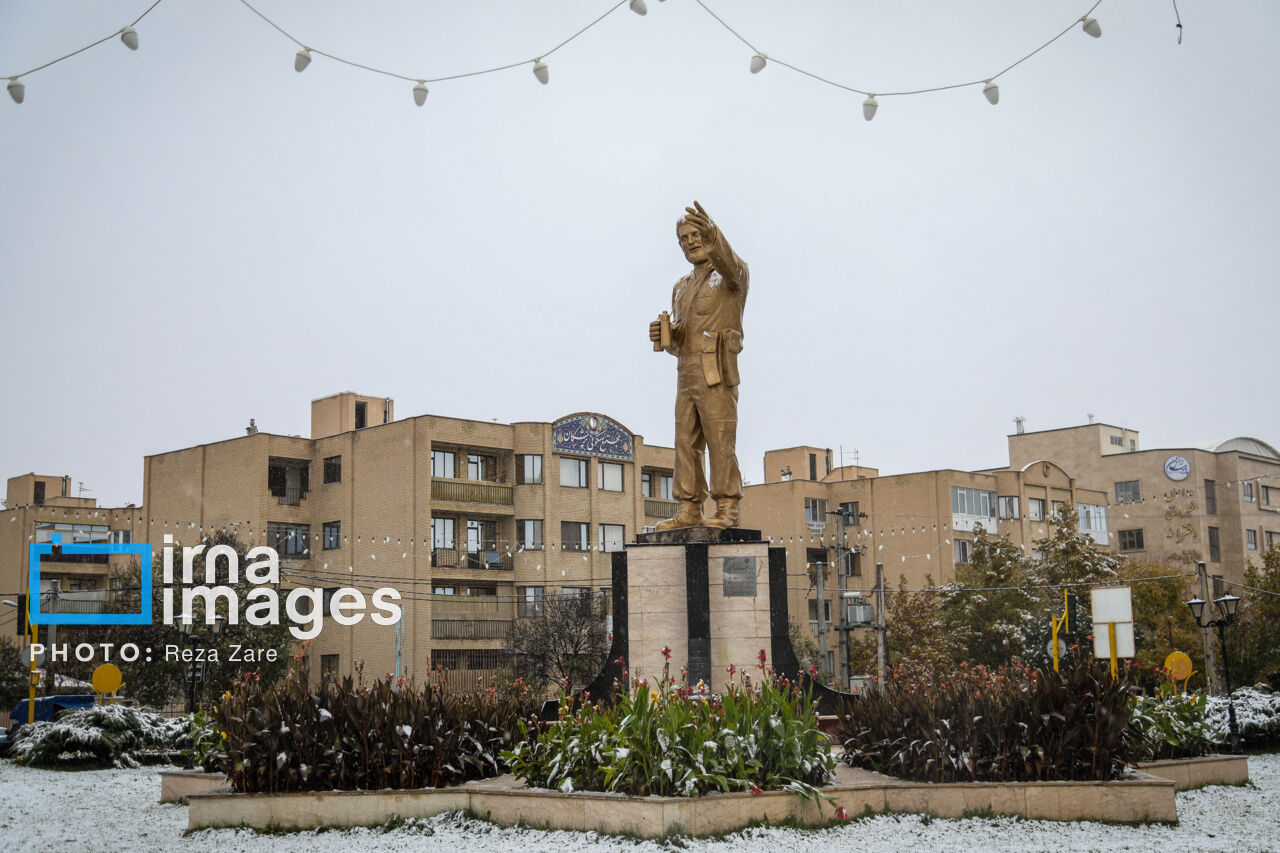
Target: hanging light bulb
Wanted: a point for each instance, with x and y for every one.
(540, 71)
(869, 107)
(130, 38)
(1092, 27)
(17, 90)
(638, 7)
(992, 91)
(302, 60)
(420, 93)
(757, 63)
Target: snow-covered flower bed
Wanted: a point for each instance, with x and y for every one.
(1257, 714)
(118, 810)
(105, 736)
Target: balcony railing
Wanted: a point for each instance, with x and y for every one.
(470, 629)
(471, 491)
(291, 497)
(654, 508)
(457, 558)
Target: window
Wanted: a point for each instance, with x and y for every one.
(1093, 518)
(444, 590)
(1131, 540)
(574, 535)
(575, 591)
(1117, 440)
(1211, 497)
(664, 487)
(289, 540)
(1266, 495)
(813, 611)
(276, 477)
(332, 534)
(1056, 508)
(328, 667)
(1215, 551)
(976, 502)
(610, 476)
(1246, 492)
(443, 463)
(530, 598)
(326, 601)
(120, 537)
(813, 466)
(1035, 509)
(529, 534)
(362, 415)
(38, 495)
(1133, 444)
(1128, 490)
(528, 469)
(1251, 540)
(1009, 507)
(481, 467)
(442, 533)
(332, 469)
(851, 510)
(963, 551)
(573, 472)
(1273, 539)
(646, 484)
(815, 556)
(815, 511)
(612, 537)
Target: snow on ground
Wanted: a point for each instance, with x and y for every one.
(118, 810)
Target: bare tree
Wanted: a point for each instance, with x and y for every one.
(564, 638)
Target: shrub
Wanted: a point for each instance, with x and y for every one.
(104, 736)
(1257, 715)
(1003, 725)
(1169, 725)
(348, 736)
(674, 740)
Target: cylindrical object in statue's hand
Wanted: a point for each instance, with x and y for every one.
(664, 332)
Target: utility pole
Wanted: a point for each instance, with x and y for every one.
(822, 621)
(1210, 668)
(847, 514)
(882, 642)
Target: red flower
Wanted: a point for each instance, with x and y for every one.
(762, 656)
(731, 669)
(813, 670)
(622, 659)
(666, 652)
(755, 791)
(841, 814)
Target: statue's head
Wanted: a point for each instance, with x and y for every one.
(691, 242)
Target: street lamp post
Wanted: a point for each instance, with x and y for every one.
(1227, 607)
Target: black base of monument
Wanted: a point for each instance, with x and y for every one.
(697, 590)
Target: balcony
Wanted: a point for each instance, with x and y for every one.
(654, 508)
(471, 491)
(470, 629)
(290, 497)
(482, 558)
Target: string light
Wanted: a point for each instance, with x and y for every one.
(992, 91)
(129, 36)
(869, 107)
(540, 71)
(757, 63)
(17, 90)
(638, 7)
(420, 93)
(302, 60)
(1091, 26)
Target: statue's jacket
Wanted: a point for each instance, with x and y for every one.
(706, 315)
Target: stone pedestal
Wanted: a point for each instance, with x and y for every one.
(705, 593)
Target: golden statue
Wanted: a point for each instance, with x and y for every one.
(704, 331)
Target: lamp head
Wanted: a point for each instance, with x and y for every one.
(1197, 609)
(1227, 605)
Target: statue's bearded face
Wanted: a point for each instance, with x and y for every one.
(691, 243)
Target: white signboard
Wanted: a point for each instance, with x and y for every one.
(1112, 605)
(1177, 468)
(1124, 640)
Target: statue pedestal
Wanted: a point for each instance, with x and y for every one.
(705, 593)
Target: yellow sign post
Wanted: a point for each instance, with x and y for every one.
(1179, 667)
(1059, 623)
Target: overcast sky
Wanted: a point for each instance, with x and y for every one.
(195, 234)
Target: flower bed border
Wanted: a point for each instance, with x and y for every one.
(1144, 798)
(1191, 773)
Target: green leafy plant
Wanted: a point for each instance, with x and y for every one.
(677, 739)
(348, 735)
(1170, 724)
(992, 725)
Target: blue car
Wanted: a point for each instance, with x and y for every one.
(48, 708)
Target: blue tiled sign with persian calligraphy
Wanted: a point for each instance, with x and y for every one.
(591, 435)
